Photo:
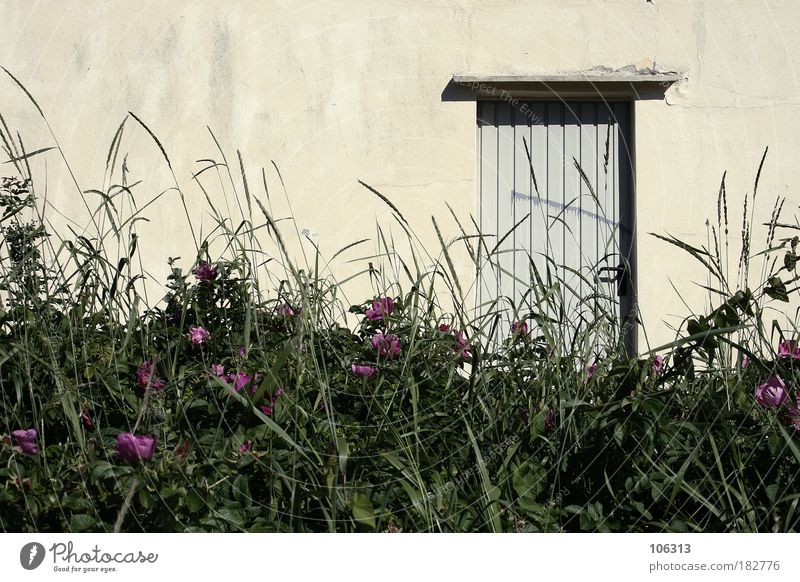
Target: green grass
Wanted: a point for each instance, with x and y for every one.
(510, 435)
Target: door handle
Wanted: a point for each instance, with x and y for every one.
(618, 275)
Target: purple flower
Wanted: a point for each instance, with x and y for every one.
(267, 409)
(789, 349)
(286, 310)
(591, 370)
(380, 308)
(26, 439)
(205, 271)
(387, 344)
(364, 371)
(464, 348)
(772, 393)
(242, 352)
(657, 366)
(745, 362)
(197, 335)
(519, 328)
(246, 446)
(134, 447)
(550, 420)
(146, 374)
(239, 380)
(218, 370)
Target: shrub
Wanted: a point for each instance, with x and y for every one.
(228, 407)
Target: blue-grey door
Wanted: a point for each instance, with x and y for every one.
(579, 228)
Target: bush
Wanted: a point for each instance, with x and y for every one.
(226, 408)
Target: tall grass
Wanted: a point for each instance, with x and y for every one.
(472, 428)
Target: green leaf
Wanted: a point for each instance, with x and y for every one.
(194, 502)
(81, 522)
(363, 512)
(776, 289)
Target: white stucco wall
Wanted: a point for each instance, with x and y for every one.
(339, 91)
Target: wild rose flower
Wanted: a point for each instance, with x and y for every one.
(246, 446)
(239, 380)
(364, 371)
(197, 335)
(133, 447)
(86, 420)
(267, 409)
(519, 328)
(772, 393)
(591, 370)
(380, 308)
(550, 420)
(387, 344)
(789, 349)
(26, 440)
(464, 347)
(205, 271)
(657, 366)
(286, 310)
(146, 374)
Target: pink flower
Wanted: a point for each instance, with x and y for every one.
(745, 362)
(387, 345)
(286, 310)
(239, 380)
(519, 328)
(205, 271)
(590, 371)
(246, 446)
(789, 349)
(772, 393)
(464, 348)
(26, 439)
(657, 366)
(242, 352)
(267, 409)
(197, 335)
(364, 371)
(132, 447)
(380, 308)
(218, 370)
(86, 420)
(146, 374)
